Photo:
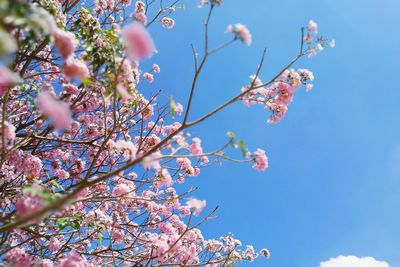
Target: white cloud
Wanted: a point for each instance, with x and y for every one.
(352, 261)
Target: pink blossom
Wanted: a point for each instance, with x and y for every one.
(118, 235)
(260, 160)
(138, 41)
(128, 148)
(121, 189)
(9, 132)
(156, 68)
(62, 174)
(140, 7)
(123, 93)
(312, 27)
(141, 17)
(312, 53)
(28, 204)
(147, 112)
(240, 32)
(75, 69)
(308, 38)
(306, 74)
(195, 147)
(58, 111)
(73, 260)
(7, 78)
(196, 205)
(176, 107)
(184, 163)
(163, 179)
(54, 244)
(149, 77)
(167, 23)
(285, 95)
(18, 257)
(202, 3)
(71, 89)
(65, 42)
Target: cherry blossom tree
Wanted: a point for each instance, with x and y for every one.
(89, 165)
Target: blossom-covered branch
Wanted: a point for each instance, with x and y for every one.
(90, 162)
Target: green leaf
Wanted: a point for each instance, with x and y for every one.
(231, 135)
(62, 223)
(87, 81)
(242, 147)
(75, 224)
(100, 236)
(172, 105)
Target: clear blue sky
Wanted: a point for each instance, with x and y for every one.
(333, 186)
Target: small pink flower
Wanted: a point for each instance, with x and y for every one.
(65, 42)
(312, 27)
(62, 174)
(123, 93)
(202, 3)
(9, 132)
(75, 69)
(177, 107)
(138, 41)
(141, 17)
(196, 205)
(195, 147)
(7, 78)
(58, 111)
(260, 160)
(312, 53)
(148, 77)
(308, 38)
(71, 89)
(240, 32)
(147, 112)
(18, 257)
(167, 23)
(140, 7)
(156, 68)
(121, 189)
(54, 244)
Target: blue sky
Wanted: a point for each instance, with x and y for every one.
(333, 186)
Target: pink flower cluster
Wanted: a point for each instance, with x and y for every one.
(73, 68)
(7, 78)
(65, 42)
(167, 23)
(138, 41)
(58, 111)
(196, 205)
(29, 204)
(279, 95)
(260, 160)
(320, 42)
(140, 12)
